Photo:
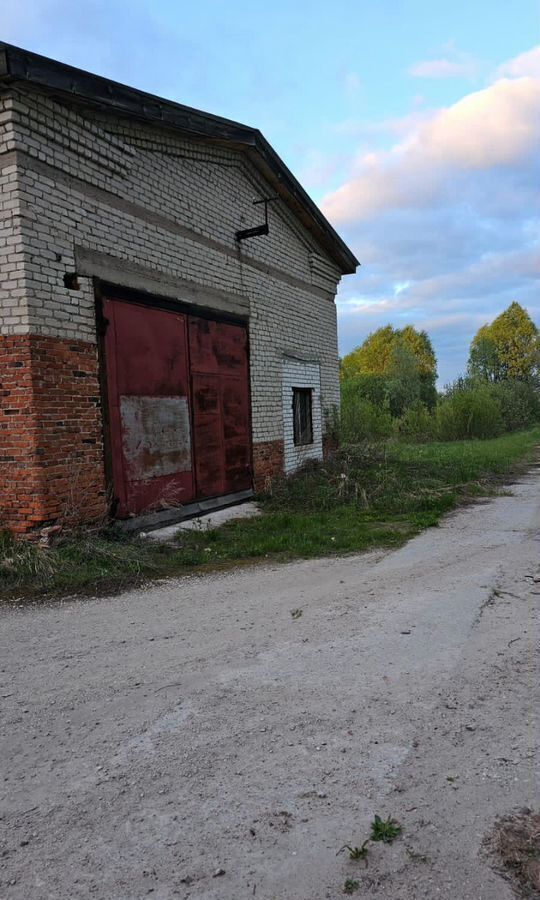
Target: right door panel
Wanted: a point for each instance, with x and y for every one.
(221, 420)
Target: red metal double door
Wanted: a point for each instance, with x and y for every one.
(179, 409)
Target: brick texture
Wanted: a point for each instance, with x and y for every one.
(330, 446)
(267, 464)
(77, 184)
(51, 448)
(298, 373)
(20, 496)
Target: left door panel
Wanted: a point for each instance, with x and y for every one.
(146, 353)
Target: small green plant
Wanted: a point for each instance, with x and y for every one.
(385, 830)
(416, 857)
(350, 886)
(356, 852)
(296, 613)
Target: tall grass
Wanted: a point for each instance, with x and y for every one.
(368, 495)
(404, 478)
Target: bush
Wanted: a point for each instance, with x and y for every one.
(519, 402)
(476, 408)
(468, 409)
(370, 387)
(398, 389)
(375, 407)
(416, 423)
(362, 419)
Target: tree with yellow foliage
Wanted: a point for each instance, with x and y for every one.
(373, 357)
(508, 348)
(376, 355)
(396, 356)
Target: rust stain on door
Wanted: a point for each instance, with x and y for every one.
(220, 403)
(156, 436)
(149, 407)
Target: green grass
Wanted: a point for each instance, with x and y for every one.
(461, 461)
(370, 496)
(292, 535)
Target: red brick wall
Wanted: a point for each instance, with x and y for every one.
(20, 497)
(330, 446)
(51, 445)
(267, 463)
(51, 448)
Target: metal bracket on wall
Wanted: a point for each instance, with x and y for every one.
(258, 229)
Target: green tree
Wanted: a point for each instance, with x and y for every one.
(419, 344)
(483, 357)
(391, 353)
(508, 348)
(403, 383)
(373, 357)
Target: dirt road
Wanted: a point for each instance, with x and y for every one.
(193, 739)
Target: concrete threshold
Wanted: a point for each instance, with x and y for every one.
(204, 522)
(174, 515)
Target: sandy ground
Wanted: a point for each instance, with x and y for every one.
(155, 739)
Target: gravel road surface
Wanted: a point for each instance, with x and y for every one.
(193, 739)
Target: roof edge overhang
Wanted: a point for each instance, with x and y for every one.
(18, 65)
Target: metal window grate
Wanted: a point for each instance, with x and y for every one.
(302, 406)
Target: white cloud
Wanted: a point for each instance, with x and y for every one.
(442, 323)
(489, 128)
(527, 64)
(449, 214)
(443, 68)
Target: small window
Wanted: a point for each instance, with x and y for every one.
(302, 415)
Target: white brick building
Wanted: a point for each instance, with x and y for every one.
(151, 355)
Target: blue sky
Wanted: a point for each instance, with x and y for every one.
(414, 124)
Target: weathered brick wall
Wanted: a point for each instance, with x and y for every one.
(13, 304)
(144, 208)
(68, 428)
(51, 451)
(20, 497)
(268, 462)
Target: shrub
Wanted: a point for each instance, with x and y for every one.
(519, 402)
(374, 407)
(468, 409)
(370, 387)
(362, 419)
(416, 423)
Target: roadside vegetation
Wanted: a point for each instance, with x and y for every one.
(369, 495)
(405, 455)
(388, 385)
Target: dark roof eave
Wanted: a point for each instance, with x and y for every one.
(17, 64)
